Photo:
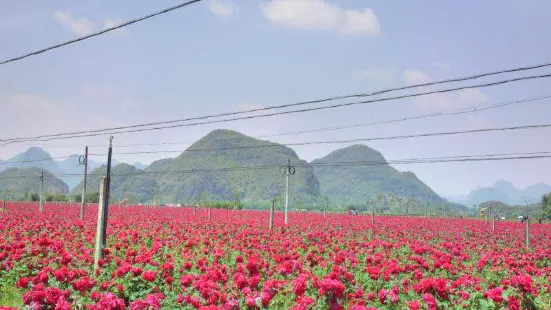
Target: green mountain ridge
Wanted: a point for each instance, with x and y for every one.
(211, 168)
(17, 183)
(227, 165)
(349, 184)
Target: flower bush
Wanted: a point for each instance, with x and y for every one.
(170, 258)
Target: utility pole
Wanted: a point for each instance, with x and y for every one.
(373, 214)
(326, 206)
(106, 191)
(287, 171)
(271, 223)
(426, 209)
(41, 206)
(101, 229)
(83, 161)
(527, 232)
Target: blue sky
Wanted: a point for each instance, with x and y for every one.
(228, 56)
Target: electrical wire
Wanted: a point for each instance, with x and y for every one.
(430, 160)
(92, 133)
(322, 129)
(33, 160)
(95, 34)
(389, 121)
(396, 137)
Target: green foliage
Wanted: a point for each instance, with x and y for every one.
(90, 197)
(57, 197)
(10, 297)
(223, 204)
(35, 197)
(501, 209)
(546, 206)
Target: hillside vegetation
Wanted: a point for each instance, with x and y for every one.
(21, 183)
(347, 184)
(189, 177)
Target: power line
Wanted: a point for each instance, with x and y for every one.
(92, 133)
(430, 160)
(395, 137)
(403, 119)
(128, 23)
(33, 160)
(322, 129)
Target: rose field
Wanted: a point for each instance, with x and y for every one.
(171, 258)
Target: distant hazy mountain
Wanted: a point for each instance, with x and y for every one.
(71, 165)
(488, 194)
(36, 157)
(506, 192)
(355, 183)
(33, 157)
(139, 165)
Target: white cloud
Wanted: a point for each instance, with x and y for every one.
(413, 77)
(436, 102)
(477, 122)
(321, 15)
(377, 77)
(444, 66)
(223, 8)
(28, 102)
(108, 23)
(472, 96)
(80, 26)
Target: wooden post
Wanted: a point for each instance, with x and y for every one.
(41, 206)
(106, 189)
(210, 214)
(324, 212)
(287, 199)
(493, 223)
(373, 215)
(527, 232)
(271, 223)
(326, 206)
(101, 229)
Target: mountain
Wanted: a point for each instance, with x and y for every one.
(488, 194)
(139, 165)
(353, 184)
(190, 177)
(508, 189)
(23, 181)
(71, 165)
(33, 157)
(537, 190)
(36, 157)
(507, 193)
(126, 182)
